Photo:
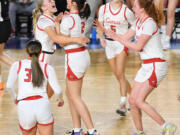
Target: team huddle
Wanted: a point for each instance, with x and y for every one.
(117, 25)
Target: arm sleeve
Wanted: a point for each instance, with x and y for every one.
(101, 13)
(130, 16)
(66, 24)
(44, 23)
(52, 79)
(12, 79)
(149, 27)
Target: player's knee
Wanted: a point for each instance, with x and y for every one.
(138, 103)
(120, 75)
(132, 101)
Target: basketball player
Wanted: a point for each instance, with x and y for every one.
(77, 60)
(32, 100)
(45, 32)
(5, 28)
(154, 67)
(116, 16)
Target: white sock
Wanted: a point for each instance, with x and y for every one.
(163, 29)
(0, 78)
(168, 38)
(123, 100)
(91, 131)
(164, 125)
(77, 129)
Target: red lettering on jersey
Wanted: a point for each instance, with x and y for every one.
(82, 27)
(108, 20)
(28, 75)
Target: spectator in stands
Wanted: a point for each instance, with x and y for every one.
(20, 6)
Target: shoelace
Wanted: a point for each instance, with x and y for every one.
(164, 131)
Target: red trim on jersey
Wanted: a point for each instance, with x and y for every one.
(153, 79)
(27, 130)
(70, 75)
(75, 50)
(126, 50)
(73, 23)
(43, 57)
(125, 13)
(142, 22)
(74, 12)
(147, 61)
(137, 22)
(105, 9)
(19, 68)
(156, 30)
(46, 124)
(39, 28)
(45, 71)
(117, 12)
(33, 97)
(49, 18)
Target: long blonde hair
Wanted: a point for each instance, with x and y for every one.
(37, 13)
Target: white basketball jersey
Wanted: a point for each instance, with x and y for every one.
(25, 86)
(153, 48)
(116, 20)
(43, 22)
(73, 26)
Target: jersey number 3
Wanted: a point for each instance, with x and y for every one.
(28, 75)
(82, 27)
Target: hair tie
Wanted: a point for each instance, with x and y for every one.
(31, 54)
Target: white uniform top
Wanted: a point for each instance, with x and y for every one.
(153, 48)
(43, 22)
(116, 20)
(73, 26)
(22, 71)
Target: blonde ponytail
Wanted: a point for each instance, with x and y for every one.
(37, 13)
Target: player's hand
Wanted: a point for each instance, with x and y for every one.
(103, 43)
(59, 17)
(66, 13)
(109, 33)
(82, 40)
(60, 101)
(99, 26)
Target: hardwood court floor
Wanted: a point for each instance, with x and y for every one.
(101, 93)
